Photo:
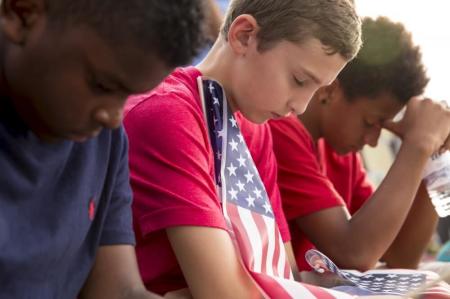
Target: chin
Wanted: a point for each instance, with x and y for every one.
(342, 151)
(50, 138)
(256, 119)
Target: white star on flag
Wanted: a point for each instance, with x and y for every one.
(233, 122)
(241, 161)
(233, 193)
(267, 207)
(241, 138)
(257, 193)
(234, 145)
(232, 169)
(221, 133)
(249, 177)
(250, 200)
(240, 186)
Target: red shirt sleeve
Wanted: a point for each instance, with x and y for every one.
(259, 142)
(305, 189)
(171, 164)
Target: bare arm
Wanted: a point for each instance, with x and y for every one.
(416, 232)
(115, 275)
(360, 241)
(210, 264)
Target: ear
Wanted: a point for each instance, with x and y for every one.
(242, 34)
(334, 91)
(18, 17)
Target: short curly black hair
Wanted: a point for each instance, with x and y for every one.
(172, 29)
(388, 62)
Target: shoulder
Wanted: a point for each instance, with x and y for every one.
(291, 139)
(179, 90)
(292, 129)
(175, 102)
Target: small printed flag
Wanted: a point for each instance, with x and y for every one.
(399, 282)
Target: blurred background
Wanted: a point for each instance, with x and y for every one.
(429, 23)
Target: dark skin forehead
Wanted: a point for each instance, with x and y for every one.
(120, 61)
(384, 106)
(130, 68)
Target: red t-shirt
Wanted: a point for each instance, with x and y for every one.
(313, 178)
(172, 172)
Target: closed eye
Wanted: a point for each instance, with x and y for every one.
(101, 88)
(299, 82)
(368, 124)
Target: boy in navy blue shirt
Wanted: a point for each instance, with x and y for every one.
(66, 68)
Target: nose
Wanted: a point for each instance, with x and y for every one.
(109, 118)
(300, 102)
(372, 136)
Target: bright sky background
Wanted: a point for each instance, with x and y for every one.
(429, 23)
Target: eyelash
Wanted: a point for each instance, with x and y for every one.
(300, 83)
(99, 87)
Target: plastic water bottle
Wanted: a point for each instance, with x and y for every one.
(437, 179)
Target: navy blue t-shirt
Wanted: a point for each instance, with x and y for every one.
(58, 203)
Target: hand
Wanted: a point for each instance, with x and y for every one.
(326, 280)
(426, 125)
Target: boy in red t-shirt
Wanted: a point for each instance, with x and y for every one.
(270, 57)
(321, 177)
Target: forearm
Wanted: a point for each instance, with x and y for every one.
(416, 232)
(115, 275)
(210, 263)
(375, 226)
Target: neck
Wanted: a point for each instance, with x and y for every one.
(311, 119)
(217, 66)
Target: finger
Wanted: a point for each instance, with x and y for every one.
(445, 147)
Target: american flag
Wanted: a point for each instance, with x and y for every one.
(246, 205)
(382, 281)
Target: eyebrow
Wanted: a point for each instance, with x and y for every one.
(111, 79)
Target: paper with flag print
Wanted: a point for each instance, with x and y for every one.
(246, 206)
(382, 281)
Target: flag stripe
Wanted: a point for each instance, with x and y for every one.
(272, 287)
(283, 265)
(250, 230)
(271, 248)
(264, 238)
(243, 242)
